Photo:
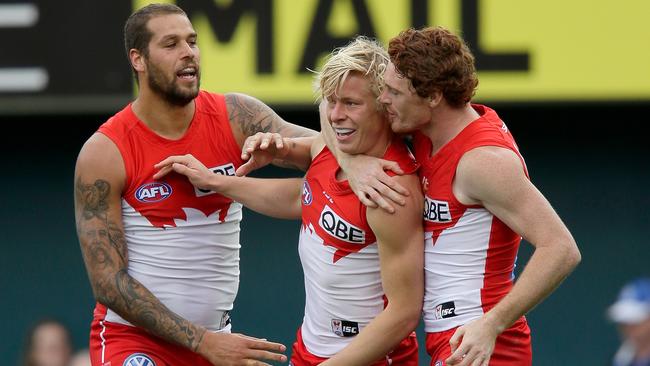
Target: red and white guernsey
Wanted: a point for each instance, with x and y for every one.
(183, 243)
(469, 253)
(339, 256)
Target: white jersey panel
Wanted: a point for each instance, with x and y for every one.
(192, 268)
(454, 271)
(331, 296)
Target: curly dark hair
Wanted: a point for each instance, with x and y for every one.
(435, 59)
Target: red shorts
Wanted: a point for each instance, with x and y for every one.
(113, 344)
(512, 347)
(405, 354)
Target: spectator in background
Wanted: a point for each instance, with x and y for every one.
(631, 313)
(47, 344)
(80, 358)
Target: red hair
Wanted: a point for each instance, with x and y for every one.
(434, 59)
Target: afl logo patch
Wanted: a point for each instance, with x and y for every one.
(307, 197)
(138, 359)
(153, 192)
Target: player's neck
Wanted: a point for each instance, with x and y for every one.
(167, 120)
(446, 123)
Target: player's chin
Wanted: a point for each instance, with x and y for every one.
(398, 127)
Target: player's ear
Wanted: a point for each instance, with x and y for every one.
(435, 99)
(137, 60)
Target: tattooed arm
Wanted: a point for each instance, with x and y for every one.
(99, 181)
(248, 116)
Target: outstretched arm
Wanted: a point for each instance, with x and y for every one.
(249, 116)
(366, 174)
(480, 177)
(401, 250)
(99, 181)
(279, 198)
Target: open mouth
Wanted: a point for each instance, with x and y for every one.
(188, 73)
(343, 132)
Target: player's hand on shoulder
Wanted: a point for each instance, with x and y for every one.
(369, 181)
(197, 173)
(260, 149)
(229, 349)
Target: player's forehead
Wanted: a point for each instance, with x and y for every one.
(355, 85)
(170, 25)
(393, 79)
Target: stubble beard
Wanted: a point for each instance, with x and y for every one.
(169, 90)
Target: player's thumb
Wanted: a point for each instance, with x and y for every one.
(392, 166)
(455, 340)
(245, 168)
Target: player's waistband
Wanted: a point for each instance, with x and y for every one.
(102, 313)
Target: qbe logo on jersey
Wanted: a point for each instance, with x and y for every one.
(138, 359)
(339, 228)
(436, 211)
(153, 192)
(226, 169)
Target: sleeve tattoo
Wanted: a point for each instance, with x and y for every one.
(253, 116)
(100, 239)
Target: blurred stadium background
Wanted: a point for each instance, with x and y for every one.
(571, 79)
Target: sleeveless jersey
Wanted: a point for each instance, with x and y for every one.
(183, 243)
(339, 256)
(469, 253)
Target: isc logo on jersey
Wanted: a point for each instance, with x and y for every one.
(344, 328)
(445, 310)
(306, 193)
(226, 169)
(339, 228)
(436, 211)
(153, 192)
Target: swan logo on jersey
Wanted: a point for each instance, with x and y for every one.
(344, 328)
(436, 211)
(339, 228)
(138, 359)
(306, 193)
(226, 169)
(445, 310)
(153, 192)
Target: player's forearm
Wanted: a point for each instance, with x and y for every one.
(330, 140)
(287, 129)
(136, 304)
(402, 279)
(379, 337)
(279, 198)
(546, 269)
(327, 132)
(298, 155)
(117, 290)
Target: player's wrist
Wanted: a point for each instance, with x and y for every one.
(495, 322)
(199, 345)
(288, 148)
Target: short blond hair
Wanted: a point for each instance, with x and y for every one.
(363, 55)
